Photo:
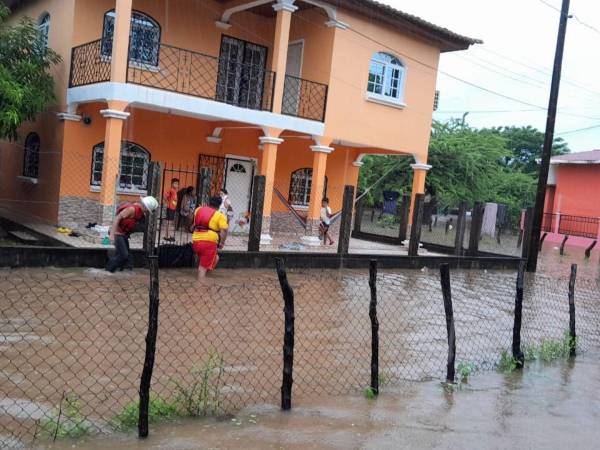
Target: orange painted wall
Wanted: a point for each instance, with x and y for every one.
(405, 130)
(577, 188)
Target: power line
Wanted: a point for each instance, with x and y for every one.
(578, 130)
(574, 16)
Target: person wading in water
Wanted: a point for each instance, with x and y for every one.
(209, 234)
(128, 220)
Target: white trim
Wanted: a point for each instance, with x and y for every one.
(29, 180)
(96, 188)
(321, 149)
(285, 5)
(189, 106)
(337, 24)
(270, 140)
(418, 166)
(300, 207)
(242, 158)
(222, 25)
(68, 116)
(231, 11)
(311, 241)
(559, 162)
(358, 163)
(213, 140)
(266, 239)
(114, 114)
(385, 100)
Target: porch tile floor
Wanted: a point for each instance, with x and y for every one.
(281, 242)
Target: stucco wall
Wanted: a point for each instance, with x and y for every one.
(577, 190)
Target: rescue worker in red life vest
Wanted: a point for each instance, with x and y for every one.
(209, 233)
(128, 220)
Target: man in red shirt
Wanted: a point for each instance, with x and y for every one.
(171, 202)
(128, 220)
(210, 232)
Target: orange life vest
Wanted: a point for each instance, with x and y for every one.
(127, 225)
(203, 217)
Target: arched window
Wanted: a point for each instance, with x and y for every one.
(237, 168)
(144, 38)
(31, 157)
(133, 170)
(300, 187)
(44, 29)
(386, 78)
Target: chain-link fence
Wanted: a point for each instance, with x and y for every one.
(72, 342)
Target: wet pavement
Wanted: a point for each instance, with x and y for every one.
(544, 406)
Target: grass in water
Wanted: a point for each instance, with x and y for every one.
(158, 409)
(507, 363)
(465, 369)
(548, 350)
(66, 421)
(369, 393)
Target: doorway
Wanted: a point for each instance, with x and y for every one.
(238, 182)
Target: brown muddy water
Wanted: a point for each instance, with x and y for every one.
(553, 406)
(79, 334)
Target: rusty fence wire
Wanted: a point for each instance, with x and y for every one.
(72, 342)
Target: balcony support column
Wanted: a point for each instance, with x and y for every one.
(418, 186)
(269, 145)
(120, 43)
(115, 116)
(284, 9)
(320, 153)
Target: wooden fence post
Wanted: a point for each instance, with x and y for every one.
(403, 217)
(346, 221)
(476, 223)
(447, 294)
(374, 328)
(256, 214)
(154, 179)
(153, 306)
(461, 225)
(528, 225)
(358, 213)
(516, 341)
(415, 228)
(572, 333)
(288, 337)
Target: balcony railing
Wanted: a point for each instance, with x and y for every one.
(303, 98)
(192, 73)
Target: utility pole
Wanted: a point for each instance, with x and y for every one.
(540, 198)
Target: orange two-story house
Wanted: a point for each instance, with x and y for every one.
(295, 90)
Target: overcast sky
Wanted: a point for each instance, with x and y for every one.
(523, 31)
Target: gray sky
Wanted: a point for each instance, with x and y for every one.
(523, 31)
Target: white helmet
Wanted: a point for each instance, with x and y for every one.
(150, 203)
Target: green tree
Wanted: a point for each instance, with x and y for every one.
(26, 87)
(525, 145)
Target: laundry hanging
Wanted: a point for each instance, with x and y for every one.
(490, 213)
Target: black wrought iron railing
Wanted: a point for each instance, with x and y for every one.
(303, 98)
(88, 64)
(578, 226)
(183, 71)
(549, 222)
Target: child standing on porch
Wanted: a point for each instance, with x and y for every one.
(171, 201)
(326, 221)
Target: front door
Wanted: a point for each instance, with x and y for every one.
(241, 76)
(238, 183)
(293, 72)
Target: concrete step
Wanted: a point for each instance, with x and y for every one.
(24, 237)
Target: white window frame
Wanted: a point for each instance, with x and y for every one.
(397, 101)
(43, 26)
(135, 189)
(306, 191)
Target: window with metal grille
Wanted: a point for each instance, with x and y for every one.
(31, 157)
(144, 38)
(386, 78)
(300, 187)
(44, 29)
(133, 169)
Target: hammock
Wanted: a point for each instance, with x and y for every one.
(301, 220)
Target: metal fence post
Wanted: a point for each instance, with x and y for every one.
(415, 228)
(346, 221)
(153, 306)
(516, 341)
(256, 213)
(572, 333)
(288, 337)
(461, 225)
(374, 327)
(403, 217)
(476, 223)
(447, 294)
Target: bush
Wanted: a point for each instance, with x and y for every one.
(158, 409)
(66, 421)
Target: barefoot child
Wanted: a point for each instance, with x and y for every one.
(326, 221)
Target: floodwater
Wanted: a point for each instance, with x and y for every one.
(79, 334)
(544, 406)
